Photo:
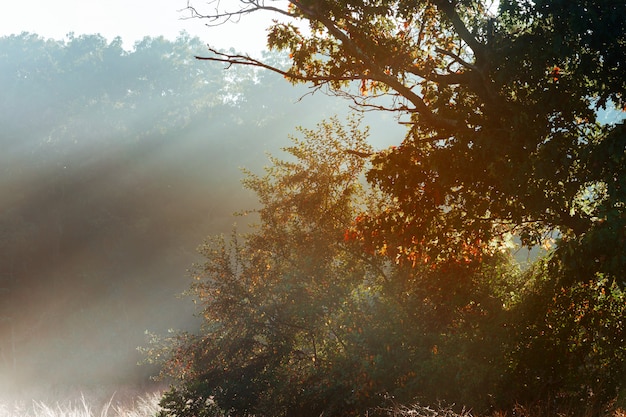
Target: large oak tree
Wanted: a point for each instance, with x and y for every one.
(502, 107)
(504, 139)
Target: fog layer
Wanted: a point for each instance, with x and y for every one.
(114, 166)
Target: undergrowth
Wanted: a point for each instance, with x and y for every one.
(128, 404)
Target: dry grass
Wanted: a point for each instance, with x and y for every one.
(518, 411)
(145, 405)
(130, 403)
(421, 411)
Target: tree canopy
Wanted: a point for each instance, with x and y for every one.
(504, 141)
(301, 317)
(502, 111)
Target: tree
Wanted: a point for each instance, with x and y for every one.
(299, 318)
(273, 300)
(503, 140)
(567, 345)
(501, 107)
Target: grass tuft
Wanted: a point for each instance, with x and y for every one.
(146, 405)
(417, 410)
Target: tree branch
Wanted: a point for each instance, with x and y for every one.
(457, 59)
(374, 71)
(377, 74)
(238, 59)
(454, 78)
(251, 6)
(447, 7)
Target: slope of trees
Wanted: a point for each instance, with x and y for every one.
(504, 141)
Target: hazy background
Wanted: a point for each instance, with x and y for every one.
(132, 20)
(115, 164)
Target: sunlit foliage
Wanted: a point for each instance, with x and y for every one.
(299, 319)
(502, 107)
(504, 142)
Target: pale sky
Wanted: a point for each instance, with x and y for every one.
(130, 19)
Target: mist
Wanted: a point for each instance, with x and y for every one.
(115, 166)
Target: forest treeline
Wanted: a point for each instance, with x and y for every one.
(114, 166)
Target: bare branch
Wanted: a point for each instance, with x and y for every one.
(365, 104)
(458, 59)
(230, 59)
(447, 7)
(220, 17)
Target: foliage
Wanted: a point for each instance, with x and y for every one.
(270, 303)
(569, 342)
(299, 319)
(503, 134)
(504, 140)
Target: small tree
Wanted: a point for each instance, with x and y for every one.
(276, 302)
(301, 317)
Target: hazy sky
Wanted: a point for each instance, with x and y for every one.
(130, 19)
